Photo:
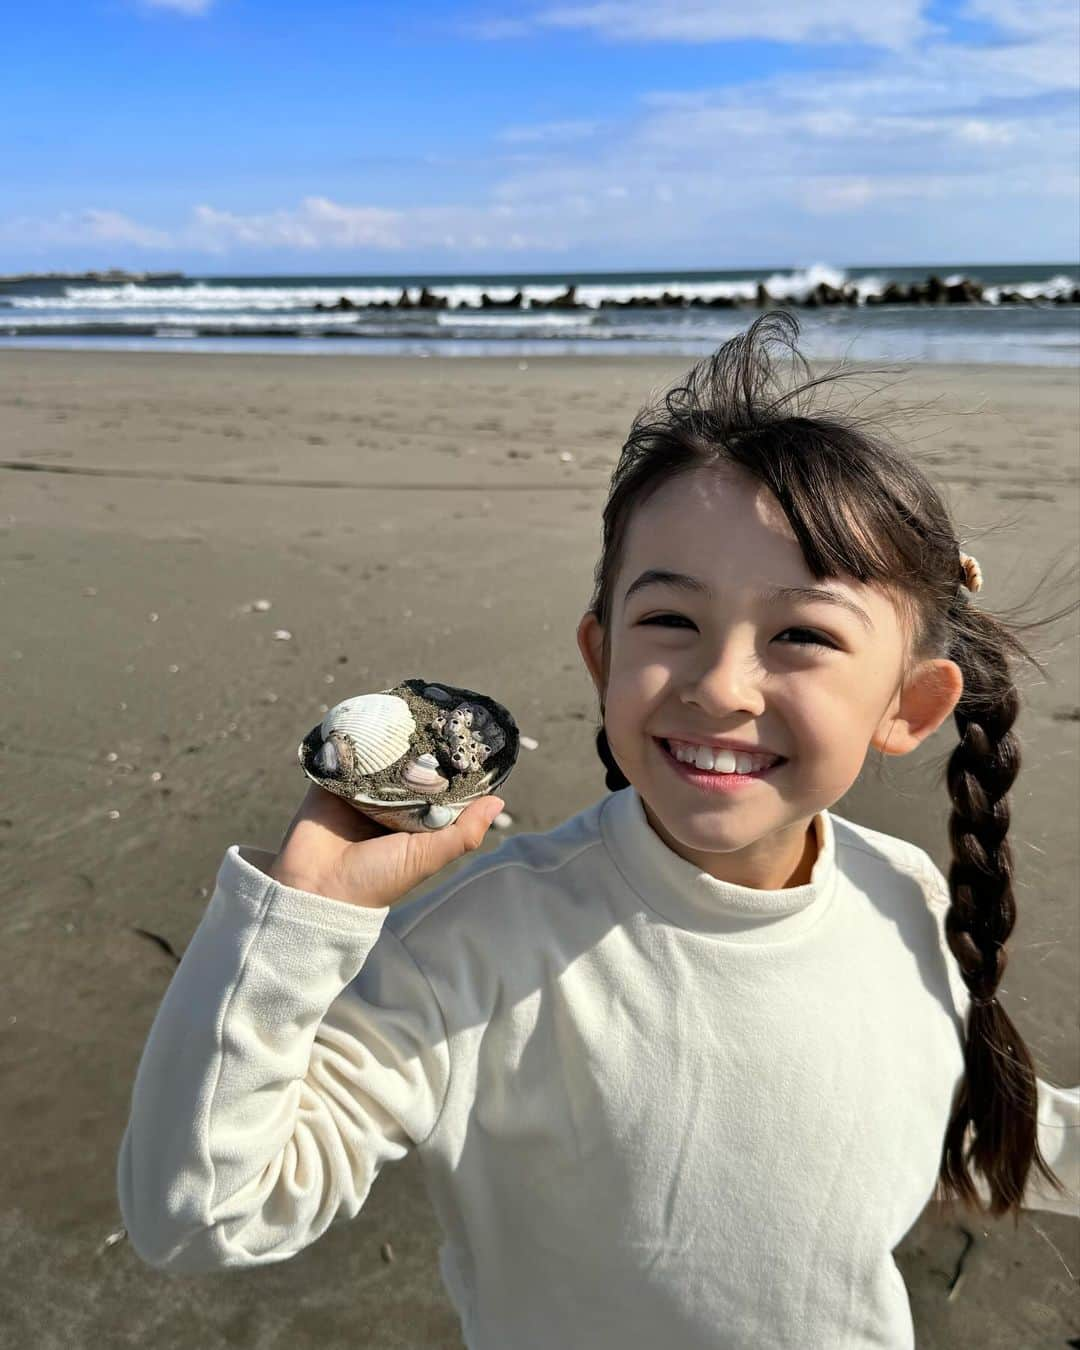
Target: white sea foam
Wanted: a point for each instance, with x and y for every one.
(201, 296)
(525, 321)
(183, 318)
(205, 296)
(1031, 290)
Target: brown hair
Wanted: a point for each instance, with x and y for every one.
(861, 508)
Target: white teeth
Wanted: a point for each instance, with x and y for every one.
(720, 761)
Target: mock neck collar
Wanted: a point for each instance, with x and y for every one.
(681, 893)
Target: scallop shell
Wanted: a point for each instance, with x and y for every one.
(379, 726)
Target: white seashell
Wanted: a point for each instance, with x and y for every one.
(527, 743)
(380, 727)
(423, 777)
(437, 816)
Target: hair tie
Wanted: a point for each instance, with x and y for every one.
(983, 1002)
(972, 572)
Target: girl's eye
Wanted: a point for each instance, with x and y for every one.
(810, 637)
(659, 618)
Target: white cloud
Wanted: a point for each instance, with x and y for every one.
(114, 227)
(544, 133)
(190, 7)
(89, 226)
(888, 23)
(317, 223)
(980, 132)
(836, 195)
(1022, 16)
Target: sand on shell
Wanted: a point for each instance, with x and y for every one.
(399, 515)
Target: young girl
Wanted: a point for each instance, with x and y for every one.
(686, 1068)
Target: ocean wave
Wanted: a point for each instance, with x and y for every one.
(184, 318)
(525, 321)
(203, 296)
(208, 297)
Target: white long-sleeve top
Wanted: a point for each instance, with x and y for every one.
(653, 1108)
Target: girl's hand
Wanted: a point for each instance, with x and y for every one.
(331, 849)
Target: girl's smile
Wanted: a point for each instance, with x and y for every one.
(719, 778)
(718, 628)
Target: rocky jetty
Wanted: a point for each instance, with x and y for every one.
(935, 290)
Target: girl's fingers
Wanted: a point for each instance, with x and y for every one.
(430, 852)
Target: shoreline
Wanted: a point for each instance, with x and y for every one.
(597, 358)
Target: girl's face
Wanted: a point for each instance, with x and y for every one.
(807, 678)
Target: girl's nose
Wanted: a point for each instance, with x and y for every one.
(730, 683)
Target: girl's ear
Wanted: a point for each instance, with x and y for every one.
(590, 641)
(920, 707)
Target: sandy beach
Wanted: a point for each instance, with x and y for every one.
(404, 517)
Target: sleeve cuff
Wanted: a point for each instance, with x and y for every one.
(243, 874)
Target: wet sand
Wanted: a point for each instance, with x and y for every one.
(403, 517)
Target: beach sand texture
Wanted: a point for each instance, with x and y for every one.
(404, 517)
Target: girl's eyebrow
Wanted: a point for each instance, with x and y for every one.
(658, 576)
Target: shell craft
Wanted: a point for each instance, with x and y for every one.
(414, 756)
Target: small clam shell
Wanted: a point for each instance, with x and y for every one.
(379, 727)
(422, 775)
(439, 815)
(328, 761)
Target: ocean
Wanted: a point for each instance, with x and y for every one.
(1027, 314)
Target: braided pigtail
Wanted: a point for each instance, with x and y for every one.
(998, 1097)
(615, 778)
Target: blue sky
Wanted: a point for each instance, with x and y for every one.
(248, 136)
